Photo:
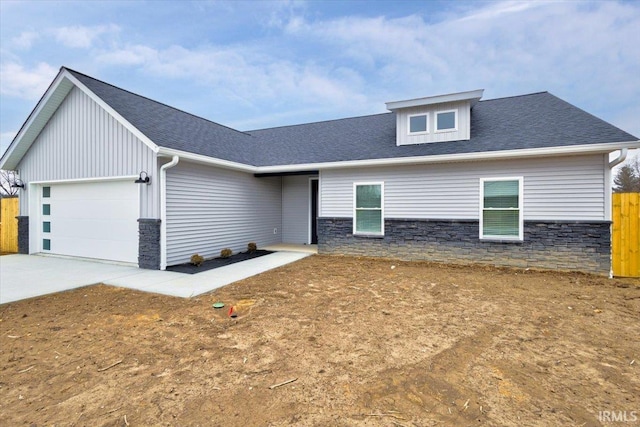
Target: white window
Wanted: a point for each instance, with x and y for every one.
(368, 202)
(501, 208)
(447, 121)
(418, 123)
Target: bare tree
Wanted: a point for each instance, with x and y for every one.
(7, 179)
(627, 179)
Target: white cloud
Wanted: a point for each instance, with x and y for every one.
(5, 141)
(541, 45)
(25, 40)
(16, 81)
(79, 36)
(243, 74)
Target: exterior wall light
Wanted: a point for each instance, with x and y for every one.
(18, 184)
(143, 178)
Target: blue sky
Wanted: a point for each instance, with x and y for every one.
(251, 65)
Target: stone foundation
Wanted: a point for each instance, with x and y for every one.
(23, 234)
(556, 245)
(149, 243)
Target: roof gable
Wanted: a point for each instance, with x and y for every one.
(536, 121)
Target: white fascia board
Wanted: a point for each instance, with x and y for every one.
(206, 160)
(86, 180)
(452, 158)
(8, 161)
(445, 158)
(131, 128)
(472, 95)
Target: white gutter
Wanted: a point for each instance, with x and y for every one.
(621, 158)
(200, 158)
(443, 158)
(451, 158)
(163, 210)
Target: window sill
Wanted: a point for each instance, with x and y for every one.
(501, 240)
(369, 236)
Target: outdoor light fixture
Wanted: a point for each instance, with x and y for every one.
(143, 178)
(18, 184)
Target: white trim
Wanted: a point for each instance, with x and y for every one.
(472, 95)
(201, 158)
(131, 128)
(86, 180)
(310, 207)
(163, 210)
(422, 132)
(31, 119)
(452, 158)
(520, 209)
(607, 187)
(455, 121)
(360, 183)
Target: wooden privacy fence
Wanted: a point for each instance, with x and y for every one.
(625, 237)
(9, 224)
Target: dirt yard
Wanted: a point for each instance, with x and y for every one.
(368, 343)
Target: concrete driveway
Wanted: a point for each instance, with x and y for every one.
(27, 276)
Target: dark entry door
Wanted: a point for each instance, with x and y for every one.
(314, 211)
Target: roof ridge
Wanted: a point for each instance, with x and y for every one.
(320, 121)
(154, 101)
(515, 96)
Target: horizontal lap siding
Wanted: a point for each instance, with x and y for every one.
(566, 188)
(209, 209)
(83, 141)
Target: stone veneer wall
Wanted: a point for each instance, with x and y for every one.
(562, 245)
(23, 234)
(149, 243)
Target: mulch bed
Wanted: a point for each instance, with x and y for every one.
(210, 264)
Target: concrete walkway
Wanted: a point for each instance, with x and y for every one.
(27, 276)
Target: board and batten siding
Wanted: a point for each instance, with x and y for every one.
(462, 133)
(83, 141)
(209, 209)
(559, 188)
(295, 209)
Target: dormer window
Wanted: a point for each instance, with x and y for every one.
(418, 123)
(447, 121)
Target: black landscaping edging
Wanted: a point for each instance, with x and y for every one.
(210, 264)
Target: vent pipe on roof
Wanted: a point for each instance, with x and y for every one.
(621, 158)
(163, 210)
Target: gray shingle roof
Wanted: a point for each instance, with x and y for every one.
(172, 128)
(538, 120)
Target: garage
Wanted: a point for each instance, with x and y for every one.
(90, 220)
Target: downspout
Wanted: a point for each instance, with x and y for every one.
(163, 210)
(613, 163)
(621, 158)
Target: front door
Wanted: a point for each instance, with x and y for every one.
(314, 211)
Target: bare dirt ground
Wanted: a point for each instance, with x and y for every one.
(369, 342)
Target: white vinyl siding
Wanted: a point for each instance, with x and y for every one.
(83, 141)
(560, 188)
(209, 209)
(295, 209)
(462, 131)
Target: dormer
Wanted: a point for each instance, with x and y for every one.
(435, 118)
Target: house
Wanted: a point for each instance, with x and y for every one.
(518, 181)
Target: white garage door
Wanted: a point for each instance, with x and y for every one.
(90, 220)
